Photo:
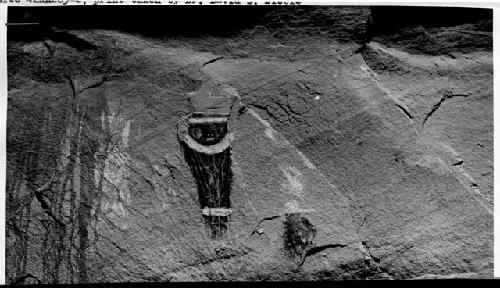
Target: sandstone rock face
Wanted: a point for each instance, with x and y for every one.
(387, 155)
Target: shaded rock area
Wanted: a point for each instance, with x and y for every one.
(344, 165)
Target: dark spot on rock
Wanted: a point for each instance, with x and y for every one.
(299, 234)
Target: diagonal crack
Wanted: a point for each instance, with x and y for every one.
(441, 101)
(265, 108)
(76, 90)
(212, 60)
(262, 220)
(376, 260)
(316, 249)
(367, 248)
(407, 113)
(94, 85)
(46, 204)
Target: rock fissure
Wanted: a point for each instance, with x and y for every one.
(407, 113)
(213, 60)
(440, 102)
(375, 260)
(316, 249)
(94, 85)
(266, 109)
(255, 230)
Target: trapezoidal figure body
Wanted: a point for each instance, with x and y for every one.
(206, 144)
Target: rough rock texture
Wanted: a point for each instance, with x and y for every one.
(387, 154)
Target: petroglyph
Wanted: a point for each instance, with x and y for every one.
(205, 142)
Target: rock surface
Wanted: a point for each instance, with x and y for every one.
(387, 153)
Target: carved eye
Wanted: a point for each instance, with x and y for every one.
(197, 133)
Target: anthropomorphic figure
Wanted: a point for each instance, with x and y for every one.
(206, 141)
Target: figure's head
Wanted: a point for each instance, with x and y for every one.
(207, 130)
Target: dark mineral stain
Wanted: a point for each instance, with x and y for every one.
(299, 235)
